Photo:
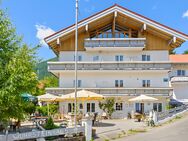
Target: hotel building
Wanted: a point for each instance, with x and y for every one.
(121, 54)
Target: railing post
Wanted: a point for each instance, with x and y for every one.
(88, 129)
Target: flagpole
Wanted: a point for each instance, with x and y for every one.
(76, 50)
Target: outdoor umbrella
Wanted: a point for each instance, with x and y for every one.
(48, 98)
(28, 97)
(143, 98)
(82, 95)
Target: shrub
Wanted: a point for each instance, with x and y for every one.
(50, 124)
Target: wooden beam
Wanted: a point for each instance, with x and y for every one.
(58, 41)
(173, 40)
(130, 32)
(143, 27)
(114, 24)
(86, 27)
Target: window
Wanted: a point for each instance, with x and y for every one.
(121, 83)
(119, 58)
(81, 106)
(79, 83)
(165, 80)
(118, 83)
(157, 107)
(95, 58)
(146, 58)
(79, 58)
(181, 72)
(137, 107)
(70, 107)
(90, 107)
(119, 106)
(146, 83)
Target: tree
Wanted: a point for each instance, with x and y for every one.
(17, 76)
(107, 106)
(185, 52)
(48, 81)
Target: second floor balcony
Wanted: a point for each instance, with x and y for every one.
(97, 44)
(109, 66)
(179, 79)
(116, 91)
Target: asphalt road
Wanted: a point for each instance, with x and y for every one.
(176, 131)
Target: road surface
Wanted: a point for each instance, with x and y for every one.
(176, 131)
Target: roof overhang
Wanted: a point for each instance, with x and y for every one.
(122, 10)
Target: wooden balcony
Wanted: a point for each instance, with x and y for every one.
(107, 66)
(116, 91)
(99, 44)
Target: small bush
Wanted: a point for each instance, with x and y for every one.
(50, 124)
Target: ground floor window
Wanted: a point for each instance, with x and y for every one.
(70, 107)
(119, 106)
(157, 107)
(80, 106)
(90, 107)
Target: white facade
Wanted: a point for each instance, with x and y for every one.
(179, 80)
(88, 56)
(131, 79)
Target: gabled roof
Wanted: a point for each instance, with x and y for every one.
(124, 11)
(180, 58)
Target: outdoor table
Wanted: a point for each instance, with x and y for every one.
(138, 116)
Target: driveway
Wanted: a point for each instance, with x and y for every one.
(109, 129)
(177, 131)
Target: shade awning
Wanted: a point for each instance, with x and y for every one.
(143, 98)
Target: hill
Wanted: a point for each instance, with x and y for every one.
(42, 68)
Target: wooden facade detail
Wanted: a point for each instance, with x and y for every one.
(117, 25)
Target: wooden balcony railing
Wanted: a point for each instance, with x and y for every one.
(115, 42)
(109, 66)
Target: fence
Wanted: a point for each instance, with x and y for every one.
(170, 113)
(86, 128)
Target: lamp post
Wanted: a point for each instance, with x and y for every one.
(75, 56)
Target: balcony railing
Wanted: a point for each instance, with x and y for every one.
(63, 66)
(115, 42)
(179, 79)
(116, 91)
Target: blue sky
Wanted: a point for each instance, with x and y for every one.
(35, 19)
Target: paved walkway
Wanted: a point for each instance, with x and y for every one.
(109, 129)
(176, 131)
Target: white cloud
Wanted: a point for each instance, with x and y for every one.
(185, 14)
(42, 32)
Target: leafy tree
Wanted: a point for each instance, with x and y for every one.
(107, 106)
(17, 61)
(49, 81)
(185, 52)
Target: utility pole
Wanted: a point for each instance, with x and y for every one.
(75, 56)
